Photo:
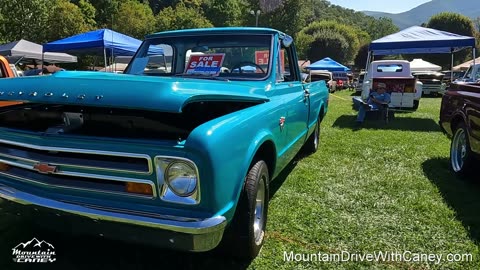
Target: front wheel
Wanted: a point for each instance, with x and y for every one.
(247, 232)
(461, 157)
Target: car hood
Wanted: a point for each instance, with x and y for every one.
(166, 94)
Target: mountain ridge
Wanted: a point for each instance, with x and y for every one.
(422, 13)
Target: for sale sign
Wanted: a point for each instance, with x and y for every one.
(205, 64)
(261, 58)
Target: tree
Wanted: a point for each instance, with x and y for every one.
(225, 12)
(66, 20)
(453, 23)
(322, 35)
(327, 43)
(88, 11)
(361, 58)
(104, 11)
(378, 28)
(181, 17)
(134, 19)
(25, 19)
(476, 23)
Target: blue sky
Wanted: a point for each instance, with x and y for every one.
(390, 6)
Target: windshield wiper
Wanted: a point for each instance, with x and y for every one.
(202, 76)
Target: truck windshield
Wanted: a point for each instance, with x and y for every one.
(242, 57)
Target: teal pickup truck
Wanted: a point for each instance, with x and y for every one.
(178, 151)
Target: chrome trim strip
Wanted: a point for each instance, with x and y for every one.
(87, 151)
(126, 194)
(138, 213)
(164, 190)
(206, 226)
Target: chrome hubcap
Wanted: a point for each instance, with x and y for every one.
(317, 133)
(459, 150)
(259, 221)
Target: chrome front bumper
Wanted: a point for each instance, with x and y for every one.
(161, 230)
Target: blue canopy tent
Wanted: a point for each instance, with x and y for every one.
(329, 64)
(418, 39)
(99, 42)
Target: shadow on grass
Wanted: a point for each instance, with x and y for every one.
(462, 195)
(278, 181)
(75, 251)
(89, 252)
(398, 123)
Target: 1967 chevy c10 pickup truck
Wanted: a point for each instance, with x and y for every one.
(178, 151)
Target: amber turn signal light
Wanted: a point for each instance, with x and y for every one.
(139, 188)
(4, 167)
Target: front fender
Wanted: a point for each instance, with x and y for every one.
(224, 149)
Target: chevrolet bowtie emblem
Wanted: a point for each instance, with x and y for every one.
(44, 168)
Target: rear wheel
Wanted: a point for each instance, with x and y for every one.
(461, 157)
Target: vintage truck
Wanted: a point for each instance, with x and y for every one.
(172, 152)
(460, 120)
(404, 89)
(323, 75)
(432, 82)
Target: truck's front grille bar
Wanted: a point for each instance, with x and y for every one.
(77, 158)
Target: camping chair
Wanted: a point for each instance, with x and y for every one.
(383, 111)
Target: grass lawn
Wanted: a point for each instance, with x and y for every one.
(381, 188)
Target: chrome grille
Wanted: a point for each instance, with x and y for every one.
(76, 158)
(78, 169)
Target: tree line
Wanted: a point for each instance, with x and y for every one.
(320, 28)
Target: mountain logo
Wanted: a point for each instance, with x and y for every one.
(34, 251)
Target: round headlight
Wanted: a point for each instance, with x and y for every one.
(181, 178)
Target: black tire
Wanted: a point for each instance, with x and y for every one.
(312, 143)
(462, 159)
(247, 232)
(415, 104)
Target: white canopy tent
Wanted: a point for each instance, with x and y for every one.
(418, 65)
(24, 49)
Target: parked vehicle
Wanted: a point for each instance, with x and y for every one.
(6, 71)
(447, 79)
(324, 75)
(181, 158)
(459, 119)
(432, 82)
(359, 85)
(472, 74)
(404, 89)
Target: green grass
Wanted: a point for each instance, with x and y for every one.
(380, 188)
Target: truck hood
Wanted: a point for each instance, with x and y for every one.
(165, 94)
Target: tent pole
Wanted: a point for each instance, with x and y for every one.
(105, 58)
(473, 52)
(451, 66)
(368, 60)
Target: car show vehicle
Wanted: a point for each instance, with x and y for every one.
(7, 71)
(432, 82)
(472, 74)
(404, 89)
(324, 75)
(180, 157)
(459, 119)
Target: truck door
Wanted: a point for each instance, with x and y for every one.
(296, 100)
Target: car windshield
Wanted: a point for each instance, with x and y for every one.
(236, 57)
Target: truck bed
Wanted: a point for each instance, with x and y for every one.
(401, 90)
